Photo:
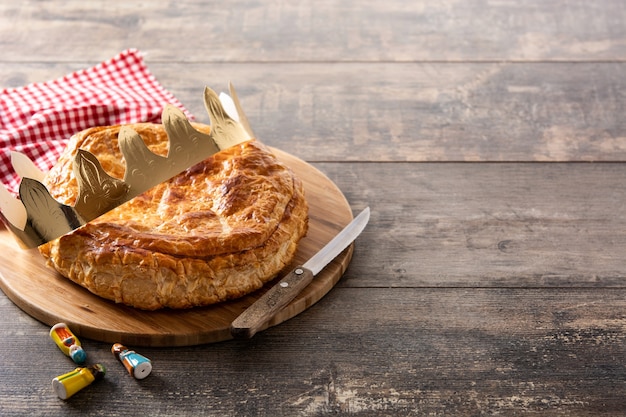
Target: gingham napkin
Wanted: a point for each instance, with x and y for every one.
(38, 119)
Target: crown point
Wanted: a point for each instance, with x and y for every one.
(12, 209)
(25, 167)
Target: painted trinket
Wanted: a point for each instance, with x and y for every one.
(70, 383)
(68, 343)
(138, 366)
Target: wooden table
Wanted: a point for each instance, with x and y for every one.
(489, 140)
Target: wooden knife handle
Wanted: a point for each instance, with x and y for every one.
(274, 300)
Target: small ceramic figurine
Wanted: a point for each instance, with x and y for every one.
(68, 342)
(137, 365)
(70, 383)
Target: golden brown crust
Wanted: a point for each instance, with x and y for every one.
(215, 232)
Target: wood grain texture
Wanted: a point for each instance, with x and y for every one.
(555, 352)
(488, 225)
(505, 112)
(51, 298)
(310, 31)
(490, 280)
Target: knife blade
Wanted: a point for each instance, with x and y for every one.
(248, 323)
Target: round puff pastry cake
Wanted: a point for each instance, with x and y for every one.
(215, 232)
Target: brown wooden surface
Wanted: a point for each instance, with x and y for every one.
(50, 298)
(489, 140)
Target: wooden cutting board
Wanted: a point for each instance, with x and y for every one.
(51, 298)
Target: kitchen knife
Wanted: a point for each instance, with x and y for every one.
(276, 298)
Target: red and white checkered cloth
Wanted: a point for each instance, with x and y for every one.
(38, 119)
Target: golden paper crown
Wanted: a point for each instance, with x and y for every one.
(36, 217)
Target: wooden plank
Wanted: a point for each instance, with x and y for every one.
(410, 112)
(429, 112)
(392, 352)
(310, 31)
(487, 225)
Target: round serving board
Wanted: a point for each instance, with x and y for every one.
(51, 298)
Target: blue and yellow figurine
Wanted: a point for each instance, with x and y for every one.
(68, 343)
(70, 383)
(137, 365)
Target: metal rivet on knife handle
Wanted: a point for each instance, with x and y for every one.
(274, 300)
